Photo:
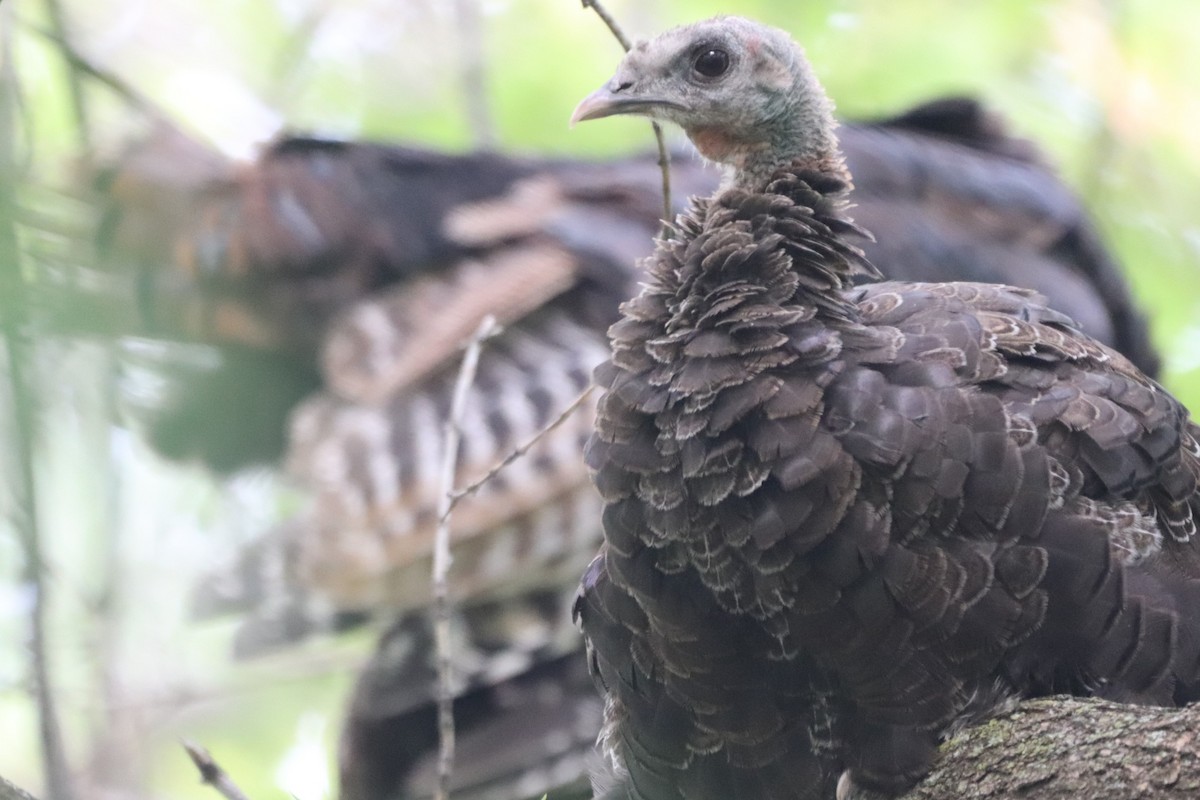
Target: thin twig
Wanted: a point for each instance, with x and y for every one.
(472, 57)
(664, 158)
(608, 20)
(110, 80)
(79, 106)
(10, 791)
(288, 67)
(521, 451)
(441, 553)
(664, 164)
(109, 749)
(211, 773)
(13, 310)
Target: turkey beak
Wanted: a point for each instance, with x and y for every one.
(617, 98)
(600, 103)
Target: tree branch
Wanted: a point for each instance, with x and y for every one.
(13, 323)
(211, 773)
(79, 64)
(441, 554)
(520, 452)
(664, 158)
(1066, 748)
(10, 791)
(472, 58)
(79, 106)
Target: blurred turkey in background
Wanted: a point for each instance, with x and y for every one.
(337, 282)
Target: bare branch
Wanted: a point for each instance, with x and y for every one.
(211, 772)
(521, 451)
(10, 791)
(664, 164)
(1065, 748)
(79, 107)
(664, 158)
(608, 20)
(107, 750)
(80, 64)
(474, 73)
(288, 67)
(13, 322)
(441, 553)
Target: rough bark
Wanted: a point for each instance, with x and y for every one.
(10, 791)
(1071, 749)
(1053, 749)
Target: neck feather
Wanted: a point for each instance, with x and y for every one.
(797, 127)
(798, 212)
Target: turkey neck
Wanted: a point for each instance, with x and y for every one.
(745, 299)
(780, 246)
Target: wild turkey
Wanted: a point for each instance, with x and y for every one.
(323, 268)
(839, 519)
(281, 247)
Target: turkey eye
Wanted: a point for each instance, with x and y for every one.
(712, 63)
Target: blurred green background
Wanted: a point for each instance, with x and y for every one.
(1108, 88)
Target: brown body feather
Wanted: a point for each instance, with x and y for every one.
(837, 519)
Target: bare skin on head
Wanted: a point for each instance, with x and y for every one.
(745, 95)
